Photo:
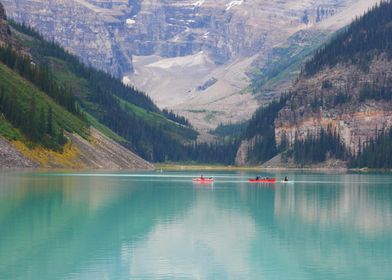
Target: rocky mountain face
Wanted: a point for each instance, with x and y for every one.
(81, 27)
(344, 88)
(354, 118)
(346, 85)
(173, 49)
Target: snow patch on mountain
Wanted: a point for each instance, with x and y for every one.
(198, 3)
(234, 3)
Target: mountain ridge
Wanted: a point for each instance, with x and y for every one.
(235, 39)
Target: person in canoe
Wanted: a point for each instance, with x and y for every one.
(201, 177)
(257, 178)
(286, 179)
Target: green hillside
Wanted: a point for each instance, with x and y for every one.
(27, 109)
(126, 111)
(285, 60)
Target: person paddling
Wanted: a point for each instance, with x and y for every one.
(286, 179)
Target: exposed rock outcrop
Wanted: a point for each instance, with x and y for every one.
(103, 153)
(98, 152)
(354, 120)
(11, 158)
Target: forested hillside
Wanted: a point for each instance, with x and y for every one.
(153, 134)
(91, 97)
(340, 107)
(368, 36)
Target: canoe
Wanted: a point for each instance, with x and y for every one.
(272, 180)
(205, 180)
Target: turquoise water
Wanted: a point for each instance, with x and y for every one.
(162, 226)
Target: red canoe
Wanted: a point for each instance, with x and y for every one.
(203, 180)
(271, 180)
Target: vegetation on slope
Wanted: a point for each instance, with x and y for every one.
(155, 135)
(34, 113)
(366, 37)
(285, 60)
(317, 148)
(375, 152)
(261, 129)
(230, 129)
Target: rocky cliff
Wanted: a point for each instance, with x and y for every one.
(172, 48)
(340, 90)
(346, 85)
(344, 89)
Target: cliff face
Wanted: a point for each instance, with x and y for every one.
(172, 48)
(333, 97)
(79, 26)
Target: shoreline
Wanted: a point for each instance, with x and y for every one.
(201, 167)
(172, 167)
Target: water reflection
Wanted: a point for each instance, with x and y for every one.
(354, 203)
(211, 241)
(55, 226)
(338, 231)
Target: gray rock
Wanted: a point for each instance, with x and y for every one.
(11, 158)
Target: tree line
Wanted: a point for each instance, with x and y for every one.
(375, 152)
(261, 128)
(316, 148)
(36, 122)
(176, 118)
(40, 76)
(366, 37)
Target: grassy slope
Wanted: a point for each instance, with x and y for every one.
(80, 86)
(176, 130)
(23, 91)
(10, 132)
(64, 75)
(286, 60)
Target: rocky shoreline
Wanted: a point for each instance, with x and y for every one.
(11, 158)
(99, 152)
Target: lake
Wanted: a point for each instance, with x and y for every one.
(153, 225)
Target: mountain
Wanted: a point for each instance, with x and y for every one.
(51, 106)
(211, 61)
(340, 106)
(55, 107)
